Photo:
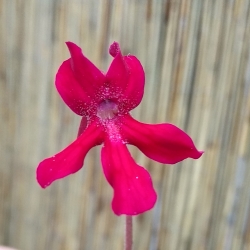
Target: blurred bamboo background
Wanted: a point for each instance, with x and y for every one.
(196, 55)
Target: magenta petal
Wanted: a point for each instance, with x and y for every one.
(88, 75)
(164, 143)
(132, 184)
(70, 90)
(126, 76)
(135, 87)
(117, 75)
(69, 160)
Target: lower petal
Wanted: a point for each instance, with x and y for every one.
(164, 143)
(132, 184)
(69, 160)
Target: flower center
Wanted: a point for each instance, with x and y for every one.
(107, 110)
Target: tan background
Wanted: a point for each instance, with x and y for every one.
(196, 54)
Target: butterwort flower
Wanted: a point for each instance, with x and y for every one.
(104, 101)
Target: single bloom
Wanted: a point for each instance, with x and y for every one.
(104, 101)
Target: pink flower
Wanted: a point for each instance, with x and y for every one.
(104, 101)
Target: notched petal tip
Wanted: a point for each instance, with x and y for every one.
(114, 49)
(198, 154)
(192, 153)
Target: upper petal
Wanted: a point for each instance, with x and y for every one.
(126, 78)
(132, 184)
(70, 89)
(87, 74)
(164, 143)
(135, 87)
(117, 75)
(69, 160)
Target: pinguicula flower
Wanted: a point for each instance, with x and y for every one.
(104, 101)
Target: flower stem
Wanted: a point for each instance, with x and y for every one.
(129, 233)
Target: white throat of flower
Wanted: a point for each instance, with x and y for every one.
(107, 110)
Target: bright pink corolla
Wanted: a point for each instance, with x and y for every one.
(104, 102)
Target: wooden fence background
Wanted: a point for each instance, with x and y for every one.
(196, 54)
